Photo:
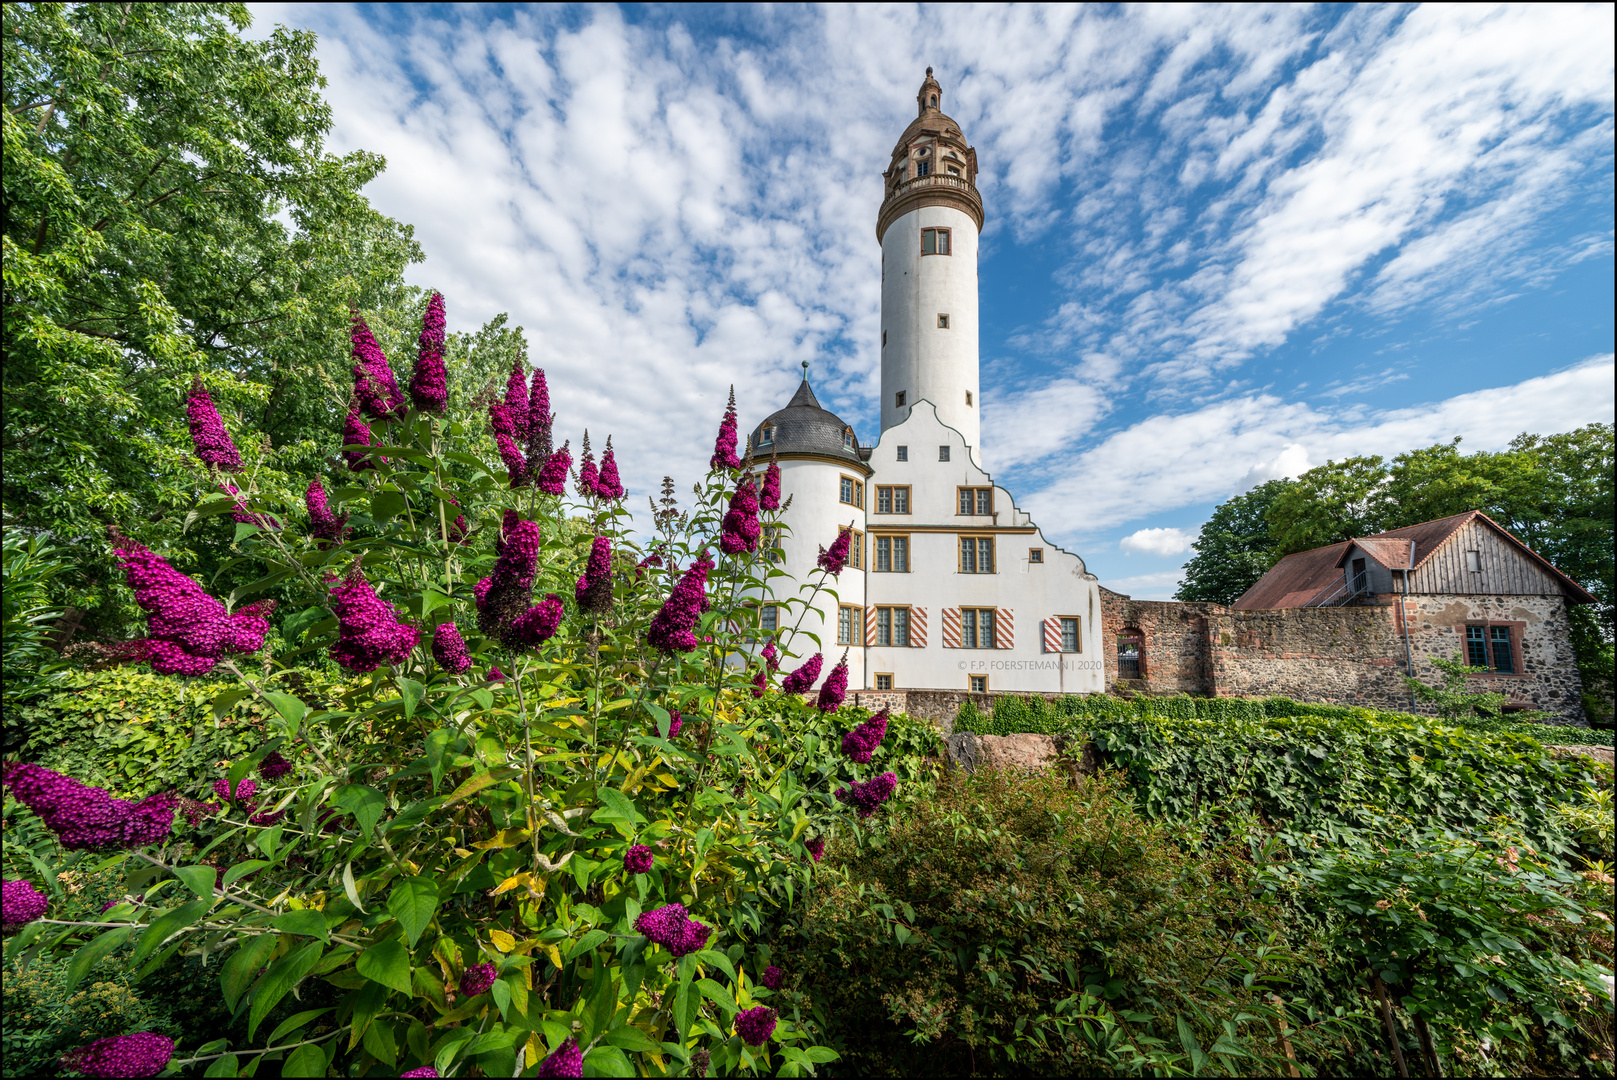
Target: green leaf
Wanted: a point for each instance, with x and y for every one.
(482, 780)
(386, 505)
(607, 1061)
(718, 995)
(292, 1023)
(632, 1038)
(199, 879)
(718, 960)
(307, 923)
(413, 902)
(284, 974)
(364, 802)
(241, 870)
(224, 1066)
(226, 700)
(484, 698)
(349, 888)
(86, 957)
(291, 709)
(243, 965)
(160, 929)
(435, 745)
(388, 963)
(501, 993)
(380, 1041)
(618, 803)
(412, 693)
(306, 1061)
(586, 943)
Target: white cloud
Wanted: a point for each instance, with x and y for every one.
(1163, 542)
(1167, 462)
(1158, 586)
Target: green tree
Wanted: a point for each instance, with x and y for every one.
(1334, 502)
(170, 211)
(1235, 548)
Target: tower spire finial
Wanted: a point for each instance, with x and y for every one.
(805, 371)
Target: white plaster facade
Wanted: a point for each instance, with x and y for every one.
(929, 449)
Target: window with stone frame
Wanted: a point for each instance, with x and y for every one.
(934, 241)
(892, 554)
(851, 492)
(977, 628)
(893, 500)
(976, 555)
(893, 626)
(1495, 646)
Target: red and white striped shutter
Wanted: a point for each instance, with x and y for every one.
(1005, 629)
(951, 628)
(918, 627)
(870, 625)
(1052, 634)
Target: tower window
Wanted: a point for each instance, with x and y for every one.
(943, 453)
(898, 400)
(856, 548)
(847, 438)
(943, 322)
(953, 171)
(903, 453)
(884, 339)
(935, 241)
(923, 168)
(968, 397)
(849, 618)
(852, 492)
(934, 101)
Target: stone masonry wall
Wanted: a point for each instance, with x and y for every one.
(1548, 677)
(1173, 655)
(1340, 656)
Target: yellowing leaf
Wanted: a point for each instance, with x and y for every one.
(503, 839)
(503, 941)
(554, 954)
(535, 1050)
(509, 883)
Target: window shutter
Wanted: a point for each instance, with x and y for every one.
(1052, 634)
(918, 627)
(951, 628)
(1005, 629)
(870, 625)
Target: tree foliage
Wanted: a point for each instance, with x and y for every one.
(1234, 549)
(170, 210)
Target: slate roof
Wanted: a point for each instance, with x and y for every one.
(805, 427)
(1297, 579)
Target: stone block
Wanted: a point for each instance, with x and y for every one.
(1030, 753)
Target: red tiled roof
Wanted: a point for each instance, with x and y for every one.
(1393, 554)
(1296, 579)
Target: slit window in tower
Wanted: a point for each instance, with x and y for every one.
(884, 339)
(943, 322)
(934, 241)
(898, 400)
(968, 397)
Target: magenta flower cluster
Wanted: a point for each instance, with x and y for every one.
(552, 478)
(502, 597)
(378, 391)
(449, 649)
(671, 629)
(188, 631)
(274, 766)
(355, 432)
(87, 818)
(588, 474)
(208, 434)
(429, 383)
(537, 625)
(866, 797)
(609, 485)
(515, 463)
(516, 400)
(326, 527)
(245, 790)
(594, 590)
(769, 498)
(672, 927)
(816, 847)
(369, 634)
(739, 531)
(802, 680)
(832, 561)
(476, 980)
(760, 682)
(773, 977)
(835, 687)
(21, 903)
(638, 859)
(755, 1025)
(567, 1062)
(145, 1053)
(724, 447)
(423, 1072)
(771, 656)
(863, 740)
(676, 720)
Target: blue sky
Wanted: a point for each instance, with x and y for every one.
(1223, 244)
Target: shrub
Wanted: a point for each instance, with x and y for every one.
(1011, 924)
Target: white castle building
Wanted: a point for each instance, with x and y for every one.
(950, 585)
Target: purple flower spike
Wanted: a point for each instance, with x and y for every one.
(755, 1025)
(771, 656)
(760, 682)
(356, 432)
(515, 463)
(505, 598)
(245, 789)
(637, 860)
(538, 625)
(323, 524)
(499, 420)
(724, 447)
(676, 720)
(609, 486)
(379, 393)
(594, 590)
(836, 558)
(496, 675)
(587, 472)
(425, 1070)
(144, 1053)
(671, 628)
(429, 384)
(476, 980)
(553, 474)
(516, 398)
(816, 847)
(672, 928)
(769, 498)
(802, 680)
(866, 797)
(773, 976)
(538, 402)
(21, 903)
(274, 766)
(449, 649)
(188, 631)
(208, 434)
(835, 688)
(863, 740)
(369, 634)
(567, 1061)
(740, 529)
(87, 818)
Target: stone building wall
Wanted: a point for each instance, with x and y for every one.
(1548, 667)
(1339, 656)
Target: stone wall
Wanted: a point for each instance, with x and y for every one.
(1340, 656)
(1548, 667)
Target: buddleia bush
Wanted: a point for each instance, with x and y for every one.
(540, 825)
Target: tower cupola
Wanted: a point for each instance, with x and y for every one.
(930, 95)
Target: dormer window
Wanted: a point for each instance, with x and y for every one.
(847, 438)
(767, 435)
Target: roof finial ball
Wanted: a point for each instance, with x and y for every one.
(931, 95)
(805, 371)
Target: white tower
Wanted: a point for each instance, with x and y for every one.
(928, 227)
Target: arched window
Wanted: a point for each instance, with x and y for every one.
(1130, 653)
(934, 101)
